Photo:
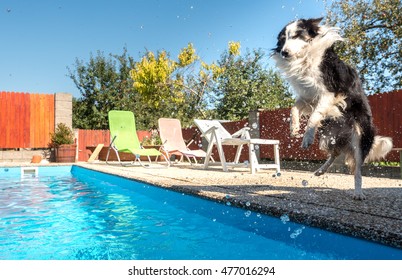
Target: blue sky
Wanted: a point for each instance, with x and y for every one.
(41, 38)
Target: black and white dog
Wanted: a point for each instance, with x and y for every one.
(330, 92)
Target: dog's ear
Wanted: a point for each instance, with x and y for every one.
(314, 21)
(312, 25)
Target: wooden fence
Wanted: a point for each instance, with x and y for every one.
(91, 138)
(26, 120)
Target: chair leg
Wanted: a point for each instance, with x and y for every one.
(277, 161)
(238, 153)
(209, 152)
(222, 158)
(252, 158)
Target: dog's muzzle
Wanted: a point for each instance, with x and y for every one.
(284, 54)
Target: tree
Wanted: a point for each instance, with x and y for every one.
(171, 86)
(184, 88)
(373, 29)
(245, 85)
(104, 84)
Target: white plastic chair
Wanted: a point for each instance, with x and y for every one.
(216, 134)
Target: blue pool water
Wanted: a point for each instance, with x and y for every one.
(72, 213)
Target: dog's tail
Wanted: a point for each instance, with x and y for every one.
(380, 148)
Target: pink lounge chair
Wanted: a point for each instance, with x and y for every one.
(170, 131)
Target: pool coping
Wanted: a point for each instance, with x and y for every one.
(320, 204)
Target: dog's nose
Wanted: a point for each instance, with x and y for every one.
(285, 53)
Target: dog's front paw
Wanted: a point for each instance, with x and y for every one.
(294, 130)
(359, 196)
(308, 138)
(295, 133)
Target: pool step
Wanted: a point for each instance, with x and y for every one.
(29, 172)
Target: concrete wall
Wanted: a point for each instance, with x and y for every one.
(63, 109)
(23, 155)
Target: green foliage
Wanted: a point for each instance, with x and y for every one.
(186, 88)
(245, 85)
(234, 48)
(104, 84)
(187, 56)
(170, 87)
(62, 135)
(373, 29)
(151, 76)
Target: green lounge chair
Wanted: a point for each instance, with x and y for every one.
(123, 135)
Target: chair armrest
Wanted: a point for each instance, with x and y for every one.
(209, 130)
(242, 133)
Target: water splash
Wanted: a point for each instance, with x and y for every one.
(297, 232)
(284, 218)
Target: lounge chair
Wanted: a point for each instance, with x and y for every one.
(170, 131)
(216, 134)
(124, 138)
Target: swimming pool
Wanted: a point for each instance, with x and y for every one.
(72, 213)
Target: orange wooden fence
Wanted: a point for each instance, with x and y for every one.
(26, 120)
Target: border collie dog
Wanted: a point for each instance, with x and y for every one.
(330, 93)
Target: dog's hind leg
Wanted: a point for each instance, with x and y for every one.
(358, 162)
(358, 195)
(325, 166)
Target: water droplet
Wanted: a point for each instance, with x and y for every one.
(284, 218)
(278, 174)
(254, 125)
(214, 220)
(247, 213)
(228, 203)
(248, 203)
(296, 233)
(227, 196)
(305, 183)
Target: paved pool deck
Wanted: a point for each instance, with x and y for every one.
(325, 202)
